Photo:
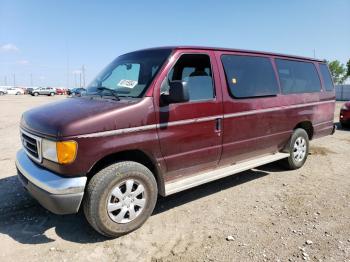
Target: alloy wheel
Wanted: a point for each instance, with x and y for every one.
(126, 201)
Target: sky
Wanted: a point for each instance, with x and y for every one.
(46, 43)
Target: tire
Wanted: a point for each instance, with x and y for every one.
(18, 93)
(115, 178)
(298, 147)
(2, 93)
(52, 94)
(35, 93)
(344, 126)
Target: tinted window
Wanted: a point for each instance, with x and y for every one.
(326, 76)
(194, 71)
(297, 77)
(249, 76)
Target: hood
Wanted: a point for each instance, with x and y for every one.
(76, 116)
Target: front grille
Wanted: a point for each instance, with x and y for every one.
(32, 145)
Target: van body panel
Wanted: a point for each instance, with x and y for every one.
(187, 132)
(262, 125)
(183, 139)
(123, 131)
(77, 116)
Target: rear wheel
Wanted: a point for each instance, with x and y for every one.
(1, 93)
(52, 94)
(298, 147)
(35, 93)
(18, 93)
(120, 198)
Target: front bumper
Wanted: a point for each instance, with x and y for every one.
(58, 194)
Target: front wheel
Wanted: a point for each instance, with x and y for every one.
(52, 94)
(120, 198)
(36, 94)
(298, 148)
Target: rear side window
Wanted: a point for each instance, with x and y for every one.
(249, 76)
(297, 77)
(326, 76)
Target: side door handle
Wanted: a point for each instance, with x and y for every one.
(218, 125)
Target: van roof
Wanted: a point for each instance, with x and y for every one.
(237, 50)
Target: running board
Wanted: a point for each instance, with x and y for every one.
(196, 180)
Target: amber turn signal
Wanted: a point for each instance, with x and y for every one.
(66, 151)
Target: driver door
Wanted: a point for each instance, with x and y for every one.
(190, 132)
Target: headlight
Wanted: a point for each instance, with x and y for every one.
(345, 107)
(63, 152)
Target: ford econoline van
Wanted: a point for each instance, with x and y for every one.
(163, 120)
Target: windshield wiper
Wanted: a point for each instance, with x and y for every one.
(113, 92)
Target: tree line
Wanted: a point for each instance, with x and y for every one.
(339, 71)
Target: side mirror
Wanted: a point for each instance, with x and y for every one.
(178, 93)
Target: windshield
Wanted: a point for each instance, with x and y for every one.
(129, 75)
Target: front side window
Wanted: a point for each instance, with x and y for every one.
(194, 71)
(326, 76)
(249, 76)
(130, 74)
(297, 77)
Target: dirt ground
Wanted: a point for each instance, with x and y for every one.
(270, 214)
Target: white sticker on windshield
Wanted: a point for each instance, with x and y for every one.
(127, 83)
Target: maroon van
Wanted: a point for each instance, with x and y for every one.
(162, 120)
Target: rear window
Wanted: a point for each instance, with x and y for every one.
(326, 76)
(297, 77)
(249, 76)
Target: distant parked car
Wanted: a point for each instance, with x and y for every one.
(345, 115)
(60, 91)
(3, 91)
(49, 91)
(15, 91)
(76, 91)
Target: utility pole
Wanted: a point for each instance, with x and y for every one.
(5, 80)
(75, 80)
(83, 72)
(80, 79)
(68, 73)
(14, 80)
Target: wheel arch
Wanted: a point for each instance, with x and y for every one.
(307, 126)
(131, 155)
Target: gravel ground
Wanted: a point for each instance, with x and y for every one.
(265, 214)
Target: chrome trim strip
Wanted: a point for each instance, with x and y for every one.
(149, 127)
(119, 131)
(189, 121)
(195, 120)
(323, 123)
(173, 187)
(47, 180)
(38, 145)
(260, 111)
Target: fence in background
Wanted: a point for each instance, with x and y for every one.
(342, 92)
